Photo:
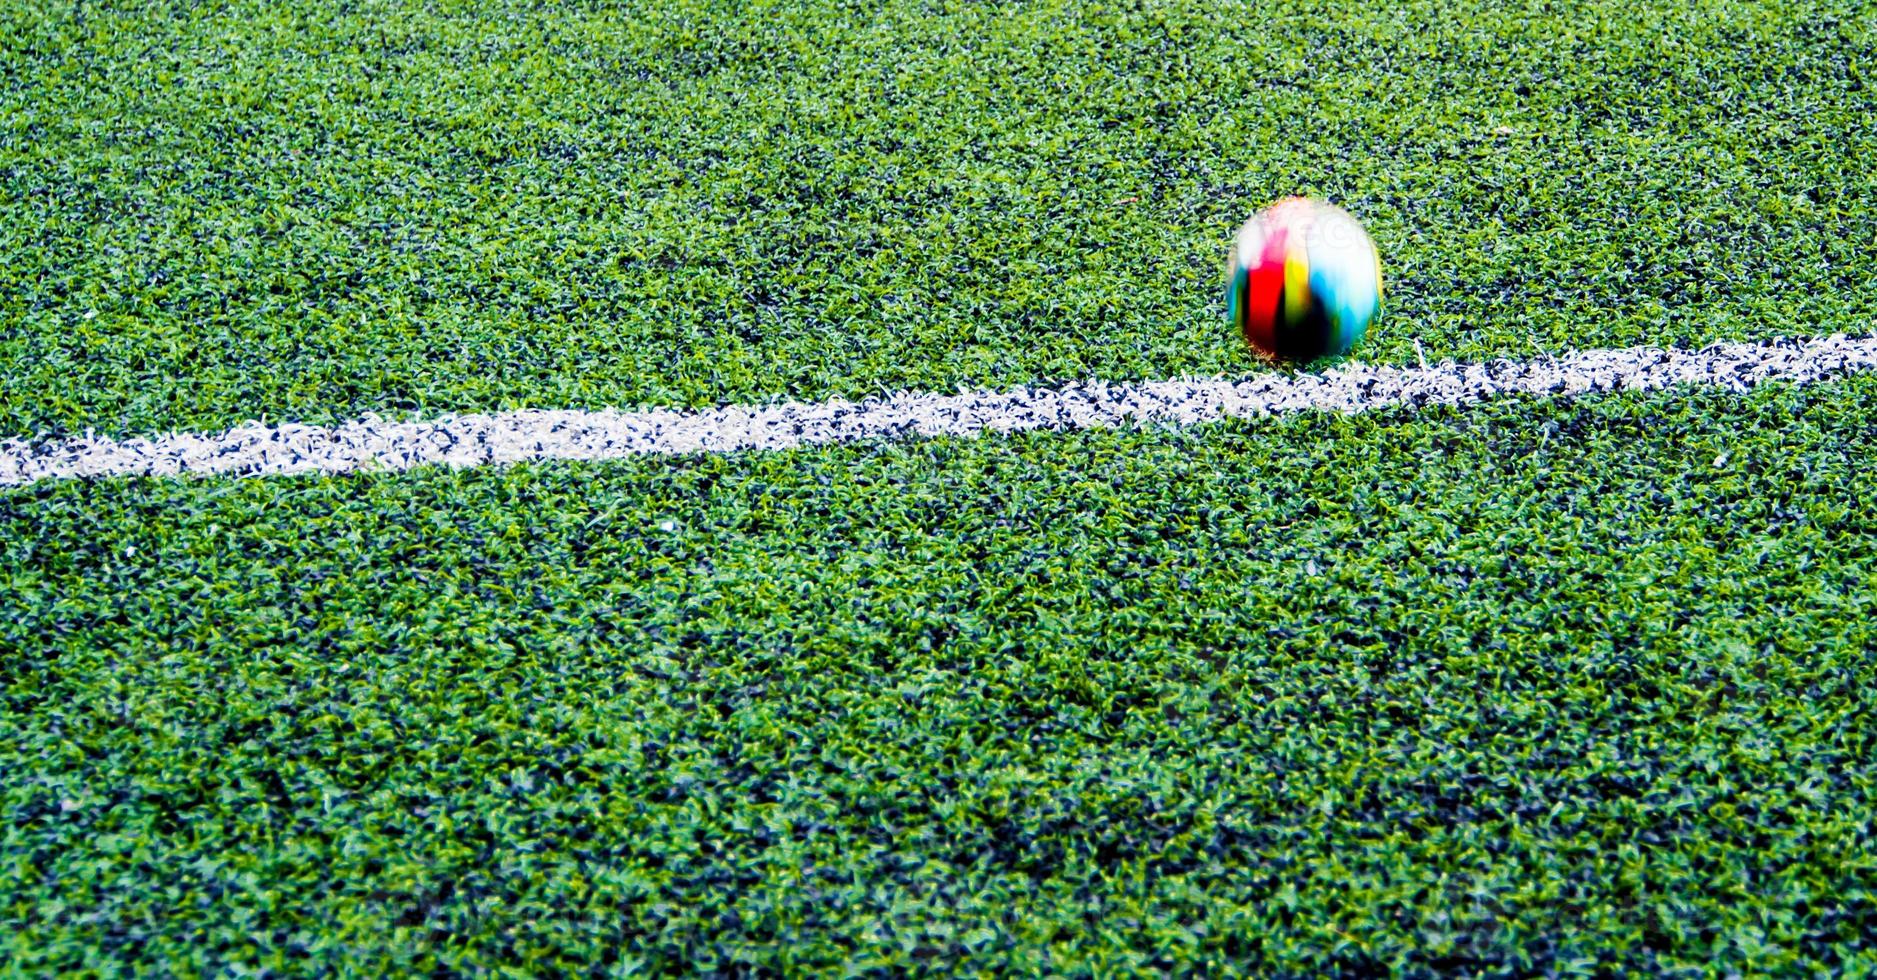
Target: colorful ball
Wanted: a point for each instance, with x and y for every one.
(1305, 280)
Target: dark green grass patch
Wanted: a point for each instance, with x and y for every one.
(310, 210)
(1557, 686)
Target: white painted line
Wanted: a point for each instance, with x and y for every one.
(481, 440)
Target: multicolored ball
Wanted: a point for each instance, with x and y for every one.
(1305, 280)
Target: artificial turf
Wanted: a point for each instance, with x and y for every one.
(1531, 687)
(308, 210)
(1525, 687)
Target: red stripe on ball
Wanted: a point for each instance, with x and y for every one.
(1264, 287)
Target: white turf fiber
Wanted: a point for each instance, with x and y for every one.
(372, 443)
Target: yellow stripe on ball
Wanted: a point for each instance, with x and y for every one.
(1296, 282)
